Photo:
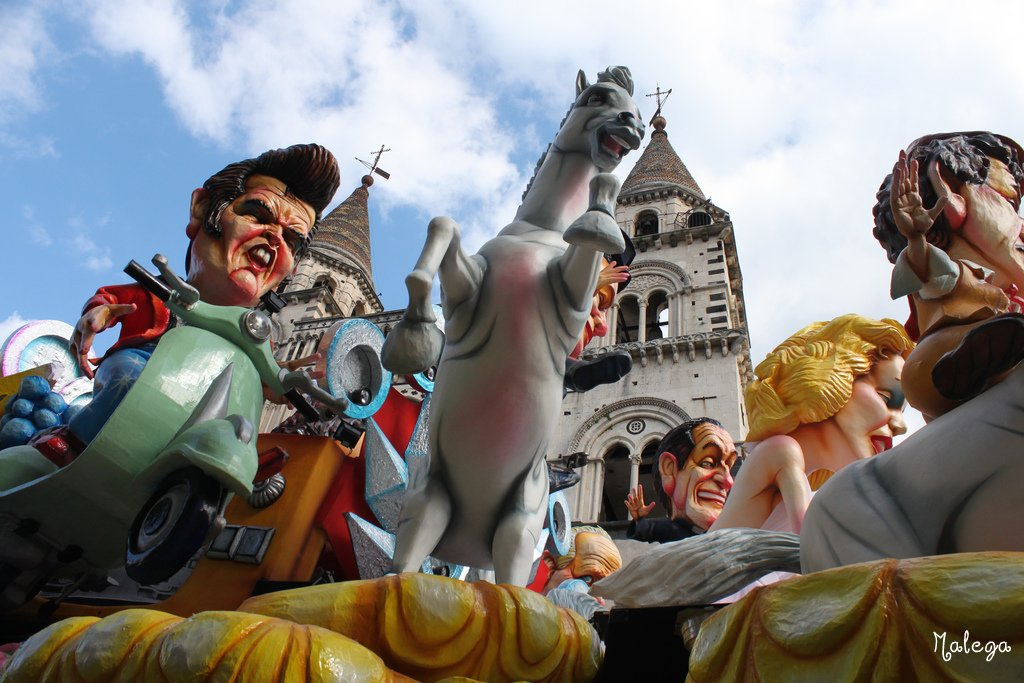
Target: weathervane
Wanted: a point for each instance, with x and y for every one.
(376, 160)
(662, 98)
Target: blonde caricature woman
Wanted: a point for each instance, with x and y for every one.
(827, 396)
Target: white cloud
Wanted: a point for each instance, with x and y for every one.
(33, 146)
(25, 49)
(9, 325)
(94, 257)
(25, 41)
(350, 75)
(99, 262)
(40, 236)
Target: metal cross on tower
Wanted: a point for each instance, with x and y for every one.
(374, 168)
(662, 96)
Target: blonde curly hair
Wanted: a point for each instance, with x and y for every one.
(809, 377)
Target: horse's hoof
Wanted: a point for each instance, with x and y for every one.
(419, 284)
(412, 347)
(598, 231)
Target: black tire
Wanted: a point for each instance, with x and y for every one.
(171, 526)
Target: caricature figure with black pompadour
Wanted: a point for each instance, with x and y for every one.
(248, 224)
(170, 434)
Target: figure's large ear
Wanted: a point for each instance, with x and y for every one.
(667, 468)
(581, 82)
(956, 206)
(197, 212)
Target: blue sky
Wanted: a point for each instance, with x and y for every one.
(788, 114)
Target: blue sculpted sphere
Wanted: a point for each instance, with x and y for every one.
(53, 402)
(71, 411)
(20, 407)
(45, 419)
(16, 432)
(33, 388)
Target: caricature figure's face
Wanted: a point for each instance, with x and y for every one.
(261, 230)
(993, 226)
(596, 557)
(597, 323)
(697, 489)
(874, 413)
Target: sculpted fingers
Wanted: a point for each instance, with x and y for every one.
(92, 322)
(297, 363)
(116, 311)
(611, 274)
(80, 344)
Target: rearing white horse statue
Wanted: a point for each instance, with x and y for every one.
(513, 312)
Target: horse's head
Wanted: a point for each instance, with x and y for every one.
(604, 123)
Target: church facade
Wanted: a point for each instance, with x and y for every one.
(682, 320)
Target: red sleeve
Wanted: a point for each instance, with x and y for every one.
(103, 295)
(150, 319)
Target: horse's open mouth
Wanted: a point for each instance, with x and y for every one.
(613, 145)
(618, 140)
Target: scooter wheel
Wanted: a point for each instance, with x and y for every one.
(172, 525)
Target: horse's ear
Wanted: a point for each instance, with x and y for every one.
(581, 82)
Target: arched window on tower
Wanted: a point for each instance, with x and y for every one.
(657, 316)
(616, 484)
(327, 281)
(698, 219)
(628, 321)
(647, 223)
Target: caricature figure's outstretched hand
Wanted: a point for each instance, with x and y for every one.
(305, 361)
(635, 503)
(92, 322)
(912, 219)
(612, 274)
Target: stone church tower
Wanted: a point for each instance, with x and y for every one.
(682, 320)
(332, 282)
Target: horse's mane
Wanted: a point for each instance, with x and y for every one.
(620, 76)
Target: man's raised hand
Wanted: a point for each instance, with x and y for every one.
(635, 503)
(92, 322)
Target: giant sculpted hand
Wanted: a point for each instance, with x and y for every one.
(912, 219)
(612, 274)
(635, 504)
(92, 322)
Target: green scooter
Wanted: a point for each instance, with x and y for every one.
(150, 490)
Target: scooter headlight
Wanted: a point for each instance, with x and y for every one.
(257, 325)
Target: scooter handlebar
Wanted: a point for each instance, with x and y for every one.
(153, 285)
(300, 380)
